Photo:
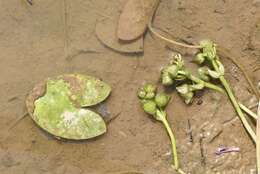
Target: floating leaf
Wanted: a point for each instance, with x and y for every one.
(86, 90)
(55, 105)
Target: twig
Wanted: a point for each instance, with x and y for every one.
(215, 136)
(190, 132)
(203, 160)
(18, 120)
(113, 118)
(152, 30)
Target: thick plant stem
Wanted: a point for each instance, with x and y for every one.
(173, 143)
(235, 103)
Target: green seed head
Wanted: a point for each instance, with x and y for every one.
(150, 95)
(149, 88)
(141, 93)
(162, 100)
(150, 107)
(147, 92)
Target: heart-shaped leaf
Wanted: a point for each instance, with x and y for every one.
(55, 105)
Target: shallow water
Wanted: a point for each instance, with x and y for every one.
(52, 37)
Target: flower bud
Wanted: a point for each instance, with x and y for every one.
(196, 87)
(209, 49)
(150, 95)
(162, 100)
(180, 77)
(166, 79)
(185, 92)
(203, 73)
(183, 89)
(172, 70)
(150, 107)
(149, 88)
(188, 97)
(178, 61)
(141, 93)
(199, 59)
(214, 74)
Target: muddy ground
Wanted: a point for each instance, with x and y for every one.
(53, 37)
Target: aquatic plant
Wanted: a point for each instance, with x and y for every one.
(154, 104)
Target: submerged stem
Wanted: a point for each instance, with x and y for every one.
(235, 103)
(175, 162)
(248, 111)
(173, 143)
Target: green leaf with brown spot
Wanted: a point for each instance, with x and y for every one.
(57, 106)
(87, 90)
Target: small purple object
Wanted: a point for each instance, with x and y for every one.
(223, 149)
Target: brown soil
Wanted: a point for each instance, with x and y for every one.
(54, 37)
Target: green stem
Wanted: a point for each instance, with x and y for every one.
(162, 116)
(173, 143)
(206, 84)
(199, 81)
(248, 111)
(235, 103)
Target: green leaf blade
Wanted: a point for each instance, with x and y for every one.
(58, 112)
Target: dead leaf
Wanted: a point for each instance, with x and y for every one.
(134, 19)
(106, 33)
